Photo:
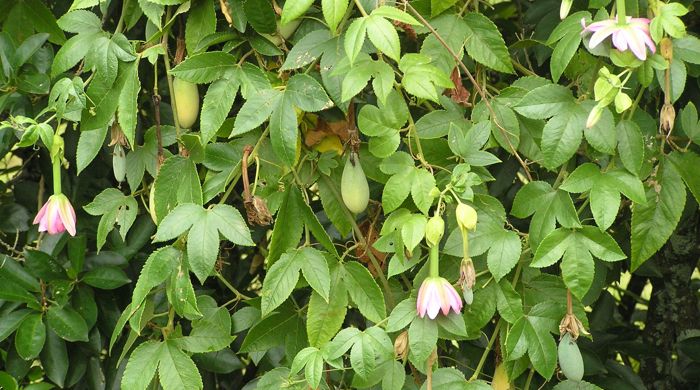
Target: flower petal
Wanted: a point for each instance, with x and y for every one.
(67, 214)
(600, 35)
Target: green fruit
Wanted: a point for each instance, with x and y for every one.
(468, 295)
(119, 163)
(353, 185)
(570, 360)
(186, 101)
(434, 230)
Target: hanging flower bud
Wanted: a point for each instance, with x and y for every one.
(56, 216)
(668, 117)
(467, 274)
(565, 8)
(594, 116)
(666, 48)
(401, 345)
(434, 230)
(466, 217)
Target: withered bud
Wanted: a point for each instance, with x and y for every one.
(666, 46)
(401, 345)
(257, 212)
(668, 117)
(572, 325)
(117, 136)
(467, 274)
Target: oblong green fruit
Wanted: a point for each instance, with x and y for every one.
(186, 102)
(353, 185)
(570, 360)
(119, 163)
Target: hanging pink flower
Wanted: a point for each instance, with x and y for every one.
(633, 35)
(437, 293)
(56, 216)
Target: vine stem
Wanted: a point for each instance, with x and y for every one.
(236, 174)
(361, 8)
(363, 241)
(228, 285)
(492, 340)
(476, 85)
(56, 175)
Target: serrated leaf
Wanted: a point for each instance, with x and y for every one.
(485, 44)
(364, 291)
(204, 67)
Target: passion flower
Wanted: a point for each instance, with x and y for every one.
(56, 216)
(353, 185)
(186, 102)
(570, 360)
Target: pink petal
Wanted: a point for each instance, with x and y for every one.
(421, 303)
(53, 218)
(67, 214)
(600, 35)
(40, 215)
(594, 27)
(636, 43)
(619, 40)
(433, 302)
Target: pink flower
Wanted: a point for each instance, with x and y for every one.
(633, 35)
(437, 293)
(56, 216)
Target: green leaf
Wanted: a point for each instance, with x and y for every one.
(423, 183)
(54, 358)
(421, 78)
(561, 137)
(30, 337)
(205, 67)
(395, 377)
(266, 333)
(181, 294)
(284, 131)
(503, 254)
(364, 291)
(89, 144)
(154, 12)
(630, 145)
(294, 9)
(508, 302)
(315, 270)
(201, 21)
(11, 291)
(394, 13)
(260, 15)
(158, 267)
(178, 221)
(355, 38)
(384, 36)
(333, 12)
(402, 315)
(177, 183)
(256, 110)
(307, 94)
(106, 277)
(287, 230)
(485, 44)
(654, 222)
(687, 49)
(176, 370)
(422, 338)
(324, 319)
(686, 164)
(563, 53)
(362, 356)
(127, 110)
(216, 106)
(280, 280)
(599, 135)
(307, 49)
(67, 323)
(142, 365)
(544, 102)
(115, 208)
(396, 190)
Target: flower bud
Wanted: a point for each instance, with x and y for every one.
(565, 8)
(622, 102)
(594, 116)
(666, 46)
(434, 230)
(668, 117)
(466, 217)
(401, 345)
(434, 192)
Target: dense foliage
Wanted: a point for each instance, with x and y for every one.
(445, 194)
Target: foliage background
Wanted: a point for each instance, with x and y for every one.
(179, 284)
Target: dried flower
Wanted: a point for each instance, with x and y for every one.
(632, 35)
(668, 117)
(401, 345)
(56, 216)
(437, 293)
(257, 212)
